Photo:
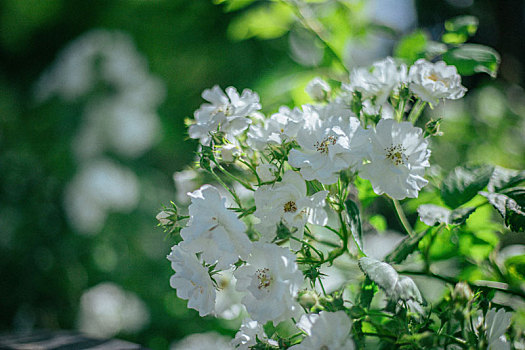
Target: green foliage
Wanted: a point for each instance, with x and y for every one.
(266, 21)
(459, 29)
(412, 47)
(470, 59)
(355, 221)
(463, 183)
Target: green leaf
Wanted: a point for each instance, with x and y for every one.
(511, 207)
(459, 216)
(515, 265)
(266, 21)
(355, 221)
(412, 47)
(463, 183)
(368, 290)
(503, 178)
(459, 29)
(405, 248)
(470, 59)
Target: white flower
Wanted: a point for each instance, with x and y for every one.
(248, 334)
(224, 113)
(202, 341)
(266, 172)
(327, 147)
(191, 280)
(228, 302)
(271, 281)
(328, 330)
(213, 230)
(379, 81)
(286, 202)
(229, 152)
(434, 81)
(318, 89)
(280, 127)
(398, 159)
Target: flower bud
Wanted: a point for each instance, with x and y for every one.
(308, 299)
(462, 292)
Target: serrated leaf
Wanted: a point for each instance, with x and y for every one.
(411, 47)
(463, 183)
(432, 214)
(470, 59)
(503, 178)
(405, 248)
(386, 277)
(355, 221)
(459, 216)
(511, 207)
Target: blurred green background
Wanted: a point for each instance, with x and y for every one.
(92, 106)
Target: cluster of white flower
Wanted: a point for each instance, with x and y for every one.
(297, 165)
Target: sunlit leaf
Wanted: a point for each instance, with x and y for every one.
(463, 183)
(412, 47)
(459, 29)
(405, 248)
(470, 59)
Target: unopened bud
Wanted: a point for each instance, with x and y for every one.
(462, 292)
(308, 299)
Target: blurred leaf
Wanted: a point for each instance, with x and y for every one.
(511, 206)
(405, 248)
(365, 192)
(378, 221)
(515, 266)
(470, 59)
(459, 29)
(412, 47)
(355, 221)
(233, 5)
(266, 21)
(463, 183)
(368, 290)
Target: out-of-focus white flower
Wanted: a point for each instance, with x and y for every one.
(107, 309)
(286, 202)
(224, 113)
(385, 110)
(203, 341)
(328, 147)
(271, 281)
(318, 89)
(328, 330)
(266, 172)
(379, 81)
(213, 230)
(185, 181)
(248, 334)
(496, 324)
(228, 302)
(434, 81)
(398, 158)
(192, 281)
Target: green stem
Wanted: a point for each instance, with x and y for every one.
(402, 217)
(233, 177)
(400, 110)
(232, 191)
(417, 108)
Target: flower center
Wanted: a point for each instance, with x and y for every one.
(322, 146)
(227, 110)
(264, 277)
(435, 78)
(290, 207)
(395, 154)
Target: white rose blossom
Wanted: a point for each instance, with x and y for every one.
(397, 160)
(378, 81)
(213, 230)
(266, 172)
(248, 334)
(327, 330)
(327, 147)
(280, 127)
(226, 113)
(434, 81)
(192, 281)
(271, 281)
(287, 202)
